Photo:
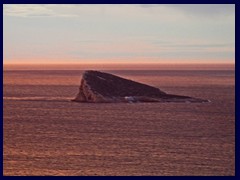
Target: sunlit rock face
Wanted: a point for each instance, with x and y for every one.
(99, 87)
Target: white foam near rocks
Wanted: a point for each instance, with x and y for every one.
(101, 78)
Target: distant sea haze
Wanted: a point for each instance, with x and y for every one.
(47, 134)
(120, 66)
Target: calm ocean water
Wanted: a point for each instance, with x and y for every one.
(47, 134)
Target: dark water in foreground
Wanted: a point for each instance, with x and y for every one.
(46, 134)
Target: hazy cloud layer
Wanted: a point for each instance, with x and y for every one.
(198, 9)
(205, 9)
(33, 10)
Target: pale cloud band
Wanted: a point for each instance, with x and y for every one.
(33, 10)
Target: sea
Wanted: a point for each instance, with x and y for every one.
(46, 134)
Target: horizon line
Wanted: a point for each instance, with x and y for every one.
(125, 63)
(118, 66)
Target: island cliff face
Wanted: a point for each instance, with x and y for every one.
(99, 87)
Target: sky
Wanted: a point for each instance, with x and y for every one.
(137, 33)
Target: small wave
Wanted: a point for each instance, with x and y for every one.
(38, 98)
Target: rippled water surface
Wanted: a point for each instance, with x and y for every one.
(47, 134)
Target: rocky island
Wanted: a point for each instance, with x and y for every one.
(100, 87)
